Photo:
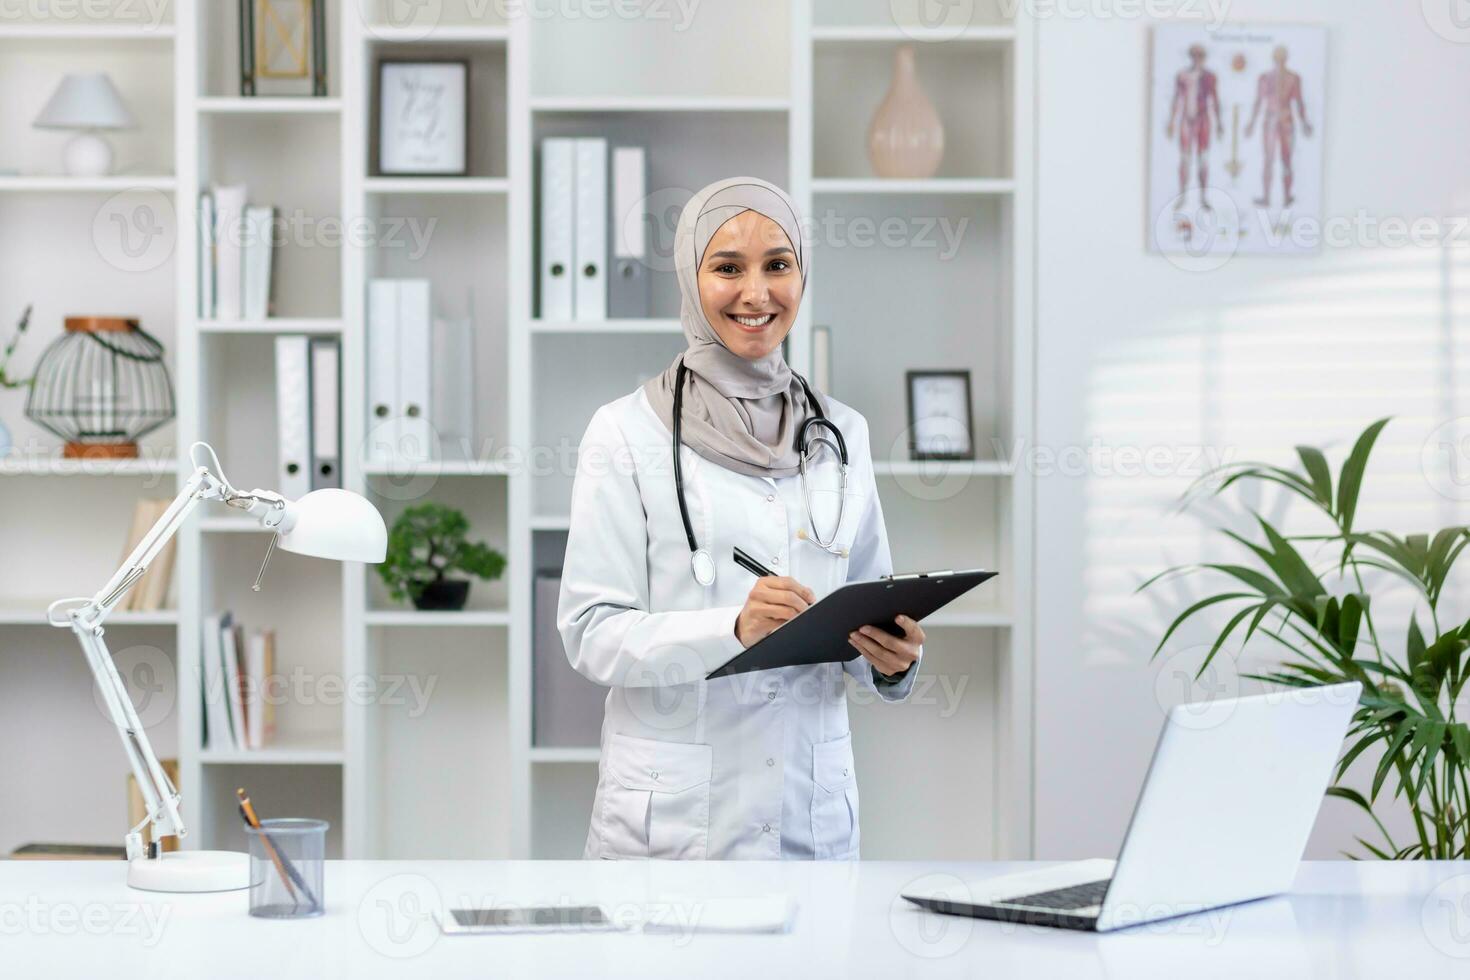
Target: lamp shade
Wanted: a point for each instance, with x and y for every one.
(336, 524)
(85, 101)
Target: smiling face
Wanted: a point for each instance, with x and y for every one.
(749, 284)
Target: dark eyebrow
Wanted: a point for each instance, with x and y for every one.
(729, 254)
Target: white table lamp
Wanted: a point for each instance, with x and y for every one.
(331, 523)
(86, 103)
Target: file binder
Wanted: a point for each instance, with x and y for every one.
(326, 413)
(382, 370)
(229, 236)
(206, 255)
(556, 228)
(589, 251)
(627, 284)
(417, 441)
(257, 260)
(293, 421)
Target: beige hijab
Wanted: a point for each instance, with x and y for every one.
(742, 414)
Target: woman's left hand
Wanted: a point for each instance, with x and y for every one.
(890, 654)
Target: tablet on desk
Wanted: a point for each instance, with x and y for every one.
(819, 635)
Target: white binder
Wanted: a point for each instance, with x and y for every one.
(417, 441)
(206, 255)
(556, 228)
(382, 370)
(229, 235)
(627, 284)
(326, 413)
(589, 251)
(293, 419)
(257, 260)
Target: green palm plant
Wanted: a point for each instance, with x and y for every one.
(1409, 708)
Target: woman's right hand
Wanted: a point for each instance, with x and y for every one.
(773, 600)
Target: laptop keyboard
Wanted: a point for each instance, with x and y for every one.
(1071, 897)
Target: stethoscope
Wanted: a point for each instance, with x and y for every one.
(809, 439)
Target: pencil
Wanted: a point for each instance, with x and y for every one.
(247, 812)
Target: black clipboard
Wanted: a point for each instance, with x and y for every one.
(819, 635)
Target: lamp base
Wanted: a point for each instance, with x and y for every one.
(87, 154)
(191, 871)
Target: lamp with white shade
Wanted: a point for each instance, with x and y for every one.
(330, 523)
(86, 102)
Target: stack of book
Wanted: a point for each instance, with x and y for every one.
(149, 593)
(235, 245)
(238, 672)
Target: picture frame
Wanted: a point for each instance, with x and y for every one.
(283, 48)
(940, 415)
(423, 117)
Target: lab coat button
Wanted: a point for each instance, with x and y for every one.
(770, 497)
(776, 560)
(765, 828)
(653, 774)
(770, 695)
(772, 762)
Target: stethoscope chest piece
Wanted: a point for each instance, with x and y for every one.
(703, 564)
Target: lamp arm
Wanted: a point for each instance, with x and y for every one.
(85, 617)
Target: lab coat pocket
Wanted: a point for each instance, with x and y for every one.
(834, 800)
(656, 802)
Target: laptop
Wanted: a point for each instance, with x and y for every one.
(1226, 808)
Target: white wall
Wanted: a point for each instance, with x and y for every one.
(1250, 360)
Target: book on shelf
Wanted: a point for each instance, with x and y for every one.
(149, 593)
(238, 668)
(236, 250)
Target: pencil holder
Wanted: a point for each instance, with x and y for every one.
(286, 858)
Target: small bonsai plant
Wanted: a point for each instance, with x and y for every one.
(6, 381)
(426, 544)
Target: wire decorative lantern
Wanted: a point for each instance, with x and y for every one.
(102, 385)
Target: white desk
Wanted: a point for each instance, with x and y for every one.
(65, 919)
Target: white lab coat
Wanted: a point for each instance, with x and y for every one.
(755, 766)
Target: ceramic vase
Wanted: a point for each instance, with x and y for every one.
(905, 138)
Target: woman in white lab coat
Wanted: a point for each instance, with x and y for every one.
(756, 765)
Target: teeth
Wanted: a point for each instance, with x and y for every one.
(756, 321)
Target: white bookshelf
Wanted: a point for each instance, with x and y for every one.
(458, 775)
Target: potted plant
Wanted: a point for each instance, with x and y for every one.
(6, 381)
(427, 543)
(1317, 608)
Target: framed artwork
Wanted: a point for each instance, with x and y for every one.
(1236, 140)
(423, 117)
(939, 415)
(283, 47)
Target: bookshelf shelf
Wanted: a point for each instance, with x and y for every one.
(60, 184)
(298, 751)
(414, 617)
(436, 185)
(588, 755)
(446, 33)
(58, 466)
(273, 325)
(939, 185)
(266, 105)
(942, 467)
(159, 33)
(891, 34)
(649, 103)
(613, 327)
(32, 612)
(440, 467)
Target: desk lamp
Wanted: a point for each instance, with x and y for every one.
(328, 523)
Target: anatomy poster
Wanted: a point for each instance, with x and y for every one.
(1236, 139)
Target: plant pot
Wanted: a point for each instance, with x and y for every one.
(446, 595)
